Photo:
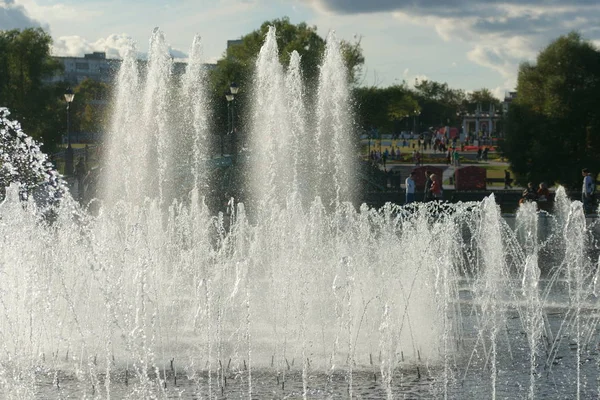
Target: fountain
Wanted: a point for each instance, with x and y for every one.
(298, 293)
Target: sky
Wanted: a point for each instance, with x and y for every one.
(468, 44)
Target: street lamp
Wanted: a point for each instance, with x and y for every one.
(233, 90)
(415, 116)
(69, 96)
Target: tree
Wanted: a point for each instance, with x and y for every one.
(237, 64)
(25, 65)
(439, 102)
(384, 108)
(553, 124)
(91, 107)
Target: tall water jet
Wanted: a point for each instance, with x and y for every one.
(270, 175)
(491, 285)
(195, 135)
(577, 268)
(156, 115)
(299, 147)
(533, 321)
(335, 157)
(123, 158)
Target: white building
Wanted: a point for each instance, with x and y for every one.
(93, 66)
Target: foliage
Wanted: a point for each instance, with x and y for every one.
(238, 62)
(25, 63)
(388, 109)
(89, 111)
(483, 96)
(439, 103)
(553, 125)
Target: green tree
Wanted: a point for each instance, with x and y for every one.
(439, 102)
(553, 125)
(90, 109)
(238, 62)
(25, 65)
(388, 109)
(485, 97)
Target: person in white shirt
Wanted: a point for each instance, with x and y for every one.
(587, 190)
(410, 188)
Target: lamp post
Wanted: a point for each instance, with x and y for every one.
(369, 145)
(230, 97)
(415, 116)
(69, 96)
(461, 114)
(233, 89)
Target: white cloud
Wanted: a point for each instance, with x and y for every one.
(59, 12)
(76, 46)
(115, 46)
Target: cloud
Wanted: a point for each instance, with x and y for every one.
(438, 7)
(501, 33)
(115, 46)
(75, 46)
(14, 16)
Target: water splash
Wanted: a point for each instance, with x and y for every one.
(24, 164)
(151, 294)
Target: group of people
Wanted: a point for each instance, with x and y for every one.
(380, 157)
(453, 157)
(541, 194)
(433, 187)
(482, 154)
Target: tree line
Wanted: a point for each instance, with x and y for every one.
(550, 132)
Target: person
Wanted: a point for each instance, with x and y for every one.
(485, 154)
(529, 194)
(428, 182)
(479, 151)
(80, 174)
(543, 194)
(507, 179)
(410, 188)
(587, 190)
(456, 157)
(436, 187)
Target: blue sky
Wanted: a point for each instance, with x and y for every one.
(468, 44)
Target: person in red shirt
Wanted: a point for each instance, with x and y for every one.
(436, 187)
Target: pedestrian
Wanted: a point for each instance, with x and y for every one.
(479, 151)
(410, 188)
(507, 179)
(587, 190)
(80, 173)
(436, 187)
(428, 182)
(543, 194)
(456, 157)
(485, 154)
(529, 194)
